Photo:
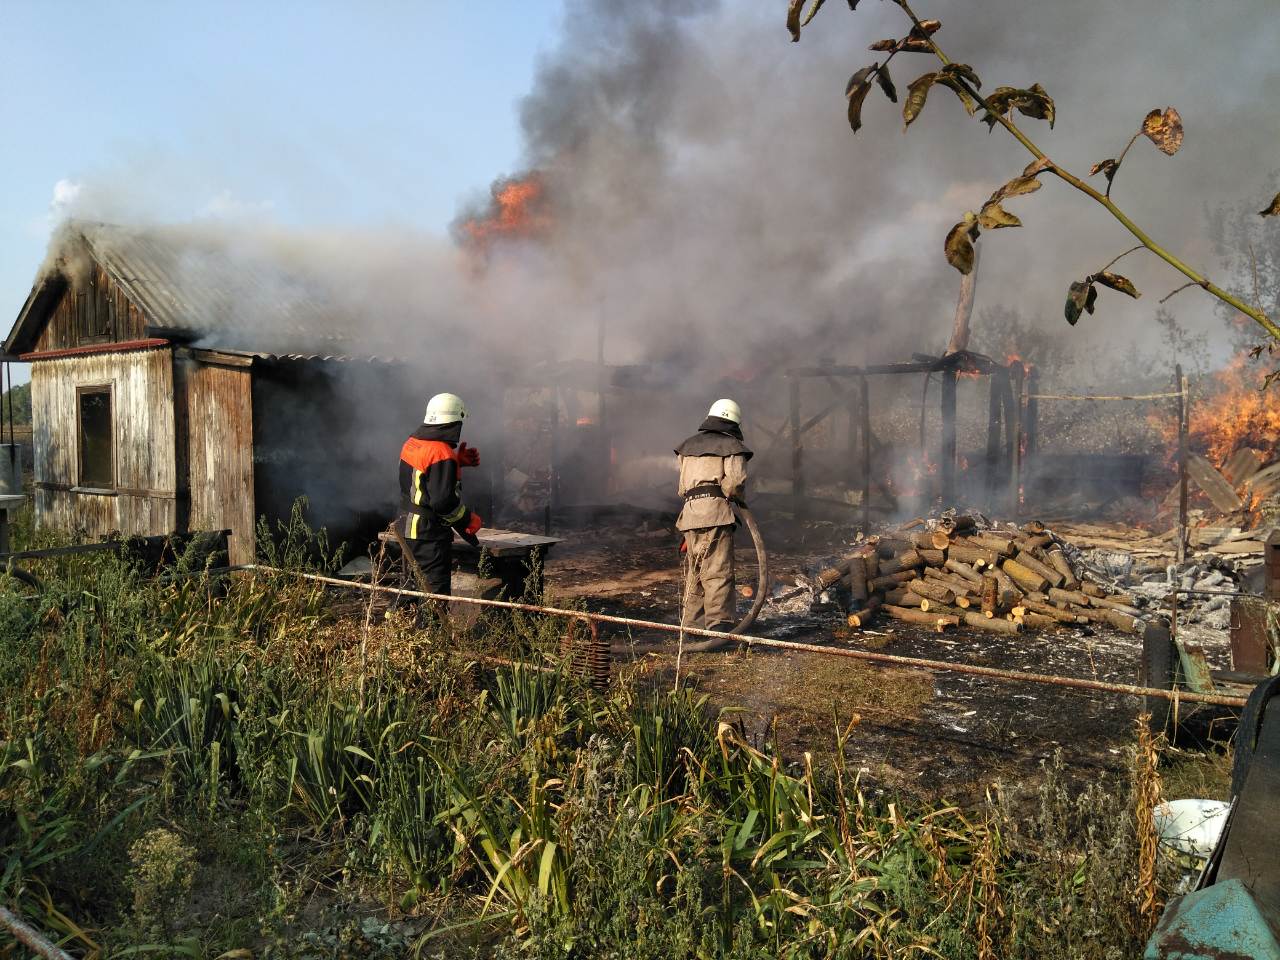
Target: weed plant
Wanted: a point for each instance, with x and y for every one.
(209, 766)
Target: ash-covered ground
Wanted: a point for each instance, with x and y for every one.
(938, 736)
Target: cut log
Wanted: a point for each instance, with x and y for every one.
(970, 553)
(1092, 589)
(934, 558)
(998, 545)
(902, 561)
(833, 574)
(1125, 622)
(890, 581)
(871, 560)
(1107, 603)
(941, 609)
(990, 595)
(958, 584)
(939, 540)
(868, 612)
(963, 570)
(1039, 621)
(1068, 596)
(898, 596)
(888, 546)
(1033, 527)
(1048, 610)
(1048, 573)
(858, 579)
(979, 622)
(1024, 578)
(1059, 562)
(939, 623)
(1214, 484)
(957, 525)
(932, 589)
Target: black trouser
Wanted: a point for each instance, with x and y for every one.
(435, 559)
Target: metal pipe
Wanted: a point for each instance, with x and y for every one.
(917, 662)
(28, 936)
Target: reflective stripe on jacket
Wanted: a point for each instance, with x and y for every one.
(430, 494)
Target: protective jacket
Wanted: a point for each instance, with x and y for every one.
(430, 494)
(713, 470)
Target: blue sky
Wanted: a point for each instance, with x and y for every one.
(350, 113)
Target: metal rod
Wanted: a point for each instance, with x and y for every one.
(917, 662)
(1140, 396)
(28, 936)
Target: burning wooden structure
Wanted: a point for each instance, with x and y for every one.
(154, 409)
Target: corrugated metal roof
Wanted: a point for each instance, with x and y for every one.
(204, 286)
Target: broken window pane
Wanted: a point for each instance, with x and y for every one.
(95, 439)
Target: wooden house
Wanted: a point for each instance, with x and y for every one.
(165, 398)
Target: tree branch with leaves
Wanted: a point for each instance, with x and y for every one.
(1162, 127)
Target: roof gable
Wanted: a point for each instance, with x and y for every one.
(190, 286)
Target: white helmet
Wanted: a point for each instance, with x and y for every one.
(444, 408)
(726, 410)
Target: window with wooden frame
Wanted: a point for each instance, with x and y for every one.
(94, 316)
(96, 438)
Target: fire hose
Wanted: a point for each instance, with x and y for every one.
(757, 604)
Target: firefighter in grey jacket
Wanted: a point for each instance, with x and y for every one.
(713, 472)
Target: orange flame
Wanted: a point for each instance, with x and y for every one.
(1233, 411)
(516, 210)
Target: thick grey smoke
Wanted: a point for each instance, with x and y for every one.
(707, 201)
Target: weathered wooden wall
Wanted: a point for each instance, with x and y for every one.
(93, 310)
(144, 443)
(219, 414)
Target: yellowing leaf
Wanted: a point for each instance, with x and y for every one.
(793, 19)
(813, 11)
(1164, 130)
(959, 245)
(1273, 210)
(993, 216)
(1107, 167)
(917, 92)
(1117, 282)
(1017, 187)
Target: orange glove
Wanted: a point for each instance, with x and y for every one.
(468, 456)
(473, 524)
(684, 545)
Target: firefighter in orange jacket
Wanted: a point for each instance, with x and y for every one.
(431, 506)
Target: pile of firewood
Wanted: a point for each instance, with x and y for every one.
(991, 579)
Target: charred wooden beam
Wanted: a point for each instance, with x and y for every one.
(948, 459)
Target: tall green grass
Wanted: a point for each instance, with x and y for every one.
(354, 790)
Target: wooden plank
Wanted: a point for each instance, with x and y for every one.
(220, 454)
(1213, 483)
(1242, 465)
(1265, 482)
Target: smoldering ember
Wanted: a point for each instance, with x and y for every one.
(716, 536)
